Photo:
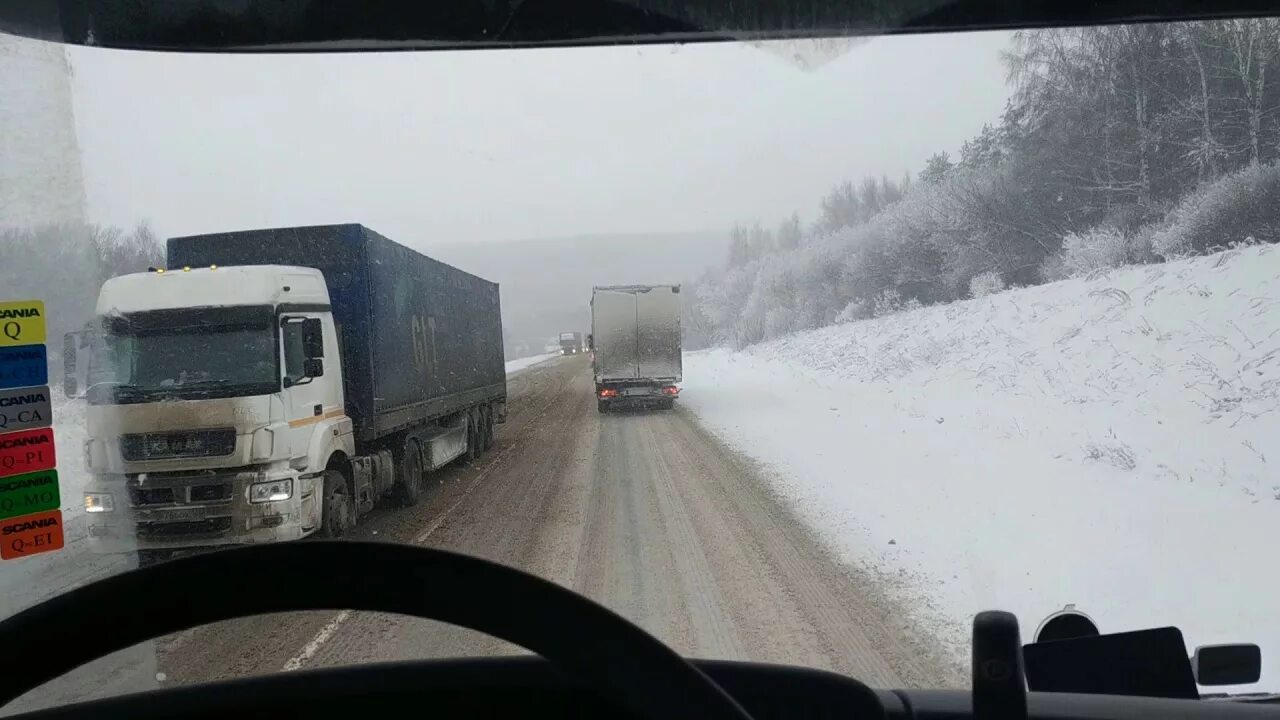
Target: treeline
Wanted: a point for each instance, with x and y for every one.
(1121, 144)
(66, 265)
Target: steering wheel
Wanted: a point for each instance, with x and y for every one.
(584, 640)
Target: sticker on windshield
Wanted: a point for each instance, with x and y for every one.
(31, 534)
(25, 409)
(22, 322)
(23, 366)
(26, 451)
(29, 493)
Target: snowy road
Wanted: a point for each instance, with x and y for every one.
(642, 512)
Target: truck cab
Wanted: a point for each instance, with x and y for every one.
(570, 343)
(214, 406)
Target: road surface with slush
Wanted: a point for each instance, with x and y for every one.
(643, 512)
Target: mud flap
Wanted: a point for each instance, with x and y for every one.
(310, 503)
(362, 469)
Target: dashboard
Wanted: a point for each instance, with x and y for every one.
(530, 686)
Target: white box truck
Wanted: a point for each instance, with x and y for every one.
(635, 343)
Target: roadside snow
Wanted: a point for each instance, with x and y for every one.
(515, 366)
(1106, 442)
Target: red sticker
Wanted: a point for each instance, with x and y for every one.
(27, 451)
(31, 534)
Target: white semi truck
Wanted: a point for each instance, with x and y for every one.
(274, 384)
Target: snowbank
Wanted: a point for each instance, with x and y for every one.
(515, 366)
(1103, 441)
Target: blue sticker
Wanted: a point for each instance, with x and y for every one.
(23, 366)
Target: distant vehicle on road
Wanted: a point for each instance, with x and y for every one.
(570, 343)
(274, 384)
(635, 337)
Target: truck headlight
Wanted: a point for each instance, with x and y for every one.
(273, 491)
(98, 502)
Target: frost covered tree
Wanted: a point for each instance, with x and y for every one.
(1120, 144)
(65, 265)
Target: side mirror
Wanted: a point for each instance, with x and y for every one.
(312, 339)
(70, 379)
(313, 367)
(1227, 664)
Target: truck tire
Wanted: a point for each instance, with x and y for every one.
(337, 515)
(473, 437)
(489, 439)
(668, 405)
(409, 480)
(602, 407)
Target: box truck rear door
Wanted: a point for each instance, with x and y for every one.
(614, 326)
(658, 332)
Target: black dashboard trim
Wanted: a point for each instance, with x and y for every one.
(528, 685)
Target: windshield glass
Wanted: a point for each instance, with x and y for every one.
(207, 358)
(797, 352)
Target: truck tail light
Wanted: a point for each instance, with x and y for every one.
(608, 393)
(671, 390)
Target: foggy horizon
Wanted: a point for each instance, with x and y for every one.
(524, 145)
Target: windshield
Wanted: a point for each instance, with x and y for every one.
(797, 352)
(203, 360)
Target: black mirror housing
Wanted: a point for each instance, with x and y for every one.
(1227, 664)
(312, 339)
(71, 342)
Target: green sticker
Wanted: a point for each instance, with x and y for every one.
(29, 493)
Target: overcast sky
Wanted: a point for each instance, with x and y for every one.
(501, 145)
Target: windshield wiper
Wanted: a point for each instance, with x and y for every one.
(199, 383)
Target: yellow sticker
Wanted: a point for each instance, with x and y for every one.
(22, 322)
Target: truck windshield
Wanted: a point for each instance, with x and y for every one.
(184, 363)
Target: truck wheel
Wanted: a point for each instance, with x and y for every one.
(473, 437)
(488, 427)
(408, 488)
(338, 512)
(668, 405)
(602, 406)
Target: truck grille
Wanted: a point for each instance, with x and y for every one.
(144, 496)
(210, 493)
(184, 528)
(151, 496)
(185, 444)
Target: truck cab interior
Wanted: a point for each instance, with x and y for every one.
(591, 662)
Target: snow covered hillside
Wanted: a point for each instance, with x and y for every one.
(1110, 442)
